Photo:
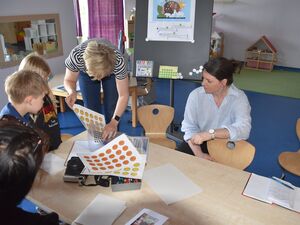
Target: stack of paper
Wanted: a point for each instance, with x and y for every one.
(273, 190)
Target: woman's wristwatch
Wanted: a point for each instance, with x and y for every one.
(212, 133)
(117, 118)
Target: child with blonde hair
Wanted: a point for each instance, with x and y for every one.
(26, 91)
(46, 119)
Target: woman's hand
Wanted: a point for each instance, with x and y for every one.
(71, 99)
(198, 151)
(199, 138)
(70, 80)
(206, 156)
(110, 130)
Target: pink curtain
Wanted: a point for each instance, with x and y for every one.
(106, 19)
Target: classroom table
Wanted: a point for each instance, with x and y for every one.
(220, 202)
(61, 94)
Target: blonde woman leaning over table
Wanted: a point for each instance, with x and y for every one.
(95, 62)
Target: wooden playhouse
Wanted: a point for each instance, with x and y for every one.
(261, 55)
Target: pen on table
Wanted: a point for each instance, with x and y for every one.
(286, 184)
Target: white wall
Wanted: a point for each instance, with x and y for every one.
(245, 21)
(128, 5)
(68, 29)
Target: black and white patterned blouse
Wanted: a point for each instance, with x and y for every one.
(75, 61)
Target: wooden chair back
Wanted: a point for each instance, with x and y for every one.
(290, 161)
(298, 128)
(155, 120)
(238, 154)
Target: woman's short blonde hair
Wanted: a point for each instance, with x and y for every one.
(24, 83)
(99, 60)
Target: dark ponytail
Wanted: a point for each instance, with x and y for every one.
(222, 68)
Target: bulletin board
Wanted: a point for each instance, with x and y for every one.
(184, 56)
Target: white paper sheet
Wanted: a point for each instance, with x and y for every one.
(52, 164)
(170, 183)
(103, 210)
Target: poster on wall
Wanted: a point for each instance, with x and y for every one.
(171, 20)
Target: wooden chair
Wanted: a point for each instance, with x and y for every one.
(237, 154)
(290, 161)
(155, 120)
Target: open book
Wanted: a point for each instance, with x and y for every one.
(273, 190)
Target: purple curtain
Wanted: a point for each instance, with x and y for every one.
(106, 19)
(77, 16)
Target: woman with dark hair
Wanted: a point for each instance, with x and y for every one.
(216, 110)
(22, 151)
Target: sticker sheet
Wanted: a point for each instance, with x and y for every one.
(144, 68)
(169, 72)
(92, 121)
(119, 157)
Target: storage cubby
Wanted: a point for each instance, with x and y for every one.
(41, 32)
(21, 35)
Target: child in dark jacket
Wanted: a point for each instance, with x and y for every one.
(46, 119)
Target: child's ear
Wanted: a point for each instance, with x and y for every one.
(28, 99)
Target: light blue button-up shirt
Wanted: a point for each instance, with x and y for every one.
(202, 113)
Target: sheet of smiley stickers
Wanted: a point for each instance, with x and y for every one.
(92, 121)
(119, 158)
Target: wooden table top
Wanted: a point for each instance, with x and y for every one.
(220, 202)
